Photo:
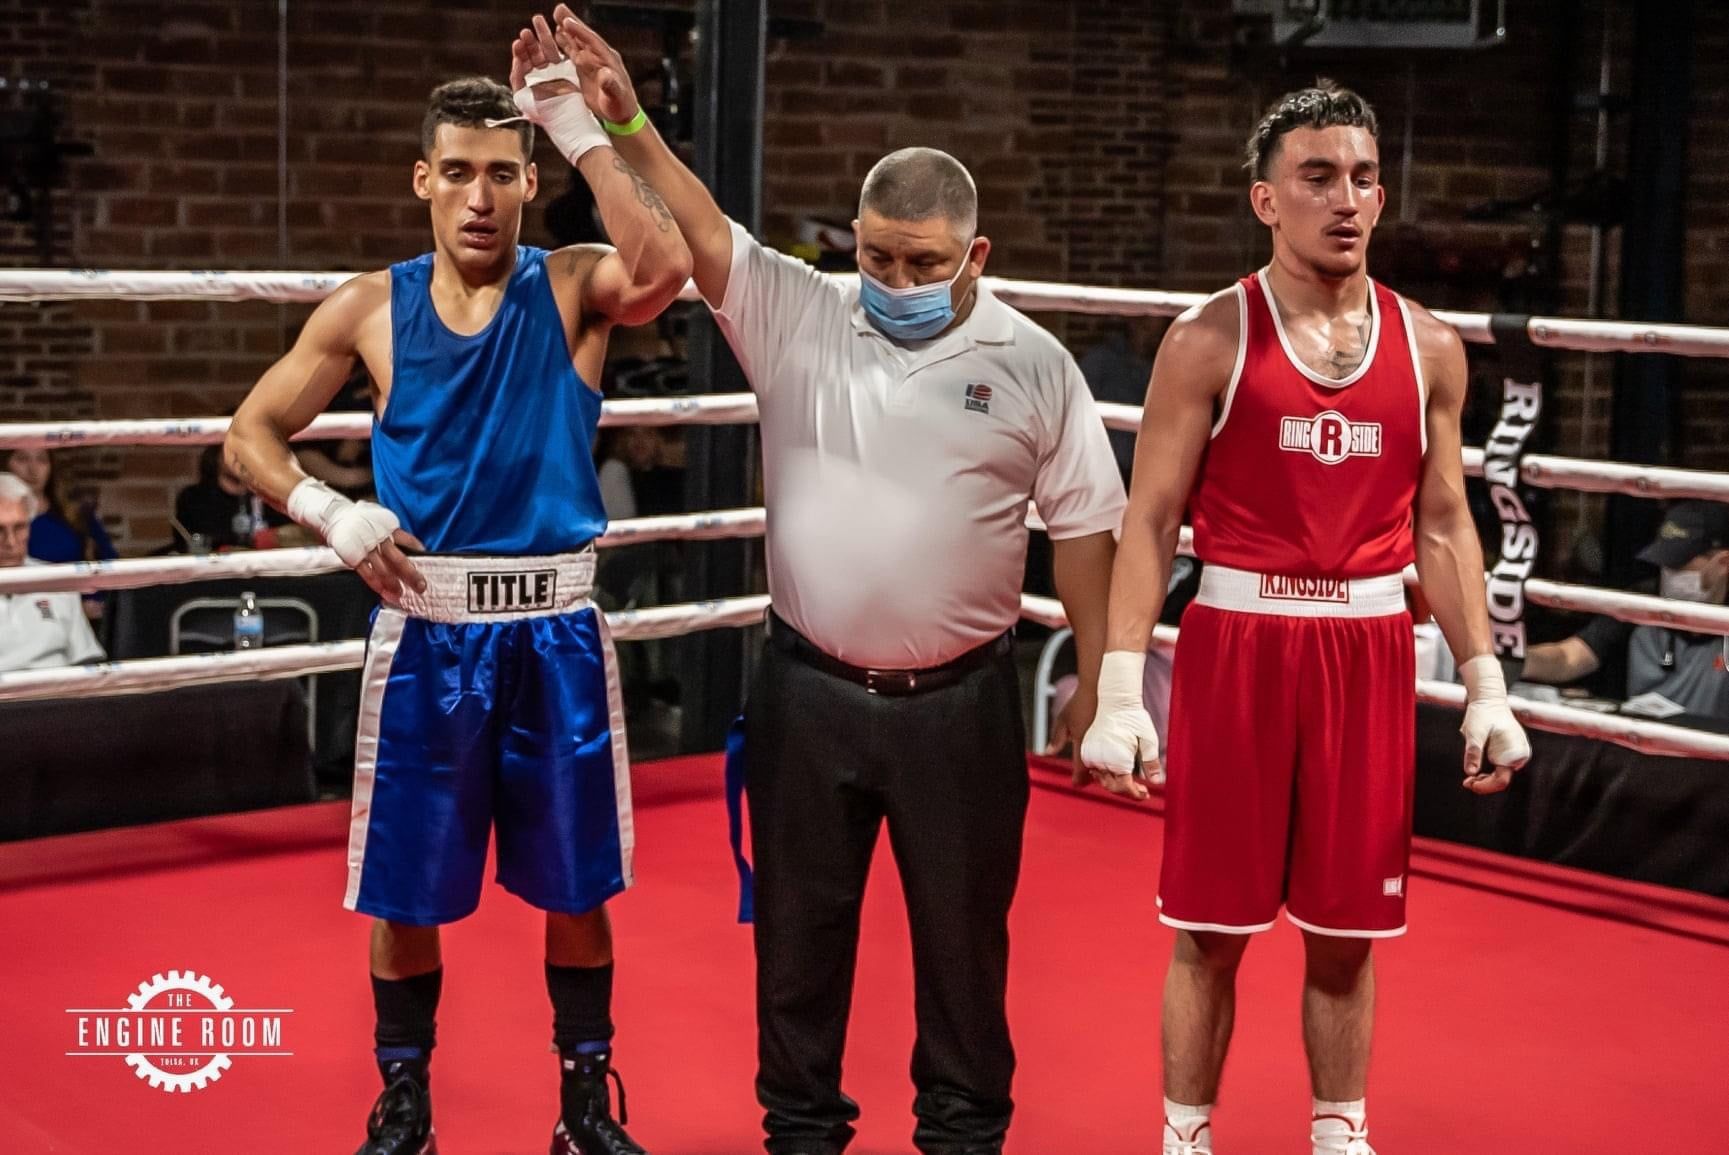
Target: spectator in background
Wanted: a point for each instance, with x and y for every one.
(624, 454)
(345, 466)
(219, 512)
(1688, 669)
(660, 487)
(1598, 643)
(63, 530)
(37, 630)
(1117, 370)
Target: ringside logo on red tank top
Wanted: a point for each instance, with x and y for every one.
(1330, 437)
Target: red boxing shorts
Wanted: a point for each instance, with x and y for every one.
(1291, 756)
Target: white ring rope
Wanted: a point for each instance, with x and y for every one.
(143, 675)
(1656, 481)
(1645, 737)
(1591, 336)
(30, 285)
(697, 409)
(1639, 609)
(1536, 469)
(1635, 734)
(147, 674)
(1539, 470)
(132, 573)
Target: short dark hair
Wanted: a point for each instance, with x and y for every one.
(469, 103)
(1326, 105)
(917, 184)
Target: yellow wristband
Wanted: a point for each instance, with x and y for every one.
(630, 127)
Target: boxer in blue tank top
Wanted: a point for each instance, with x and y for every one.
(490, 697)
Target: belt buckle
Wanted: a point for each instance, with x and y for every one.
(891, 681)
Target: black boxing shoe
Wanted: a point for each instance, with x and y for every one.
(401, 1119)
(586, 1125)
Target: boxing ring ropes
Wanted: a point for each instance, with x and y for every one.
(32, 286)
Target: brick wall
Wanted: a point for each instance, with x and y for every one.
(1705, 424)
(1105, 137)
(40, 344)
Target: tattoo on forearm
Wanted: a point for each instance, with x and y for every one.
(645, 195)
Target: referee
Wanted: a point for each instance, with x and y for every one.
(906, 420)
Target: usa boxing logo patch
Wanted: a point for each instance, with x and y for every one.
(1330, 438)
(979, 398)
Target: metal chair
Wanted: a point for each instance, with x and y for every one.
(203, 625)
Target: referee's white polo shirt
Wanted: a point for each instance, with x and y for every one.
(897, 478)
(42, 630)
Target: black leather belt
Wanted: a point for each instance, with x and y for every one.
(890, 683)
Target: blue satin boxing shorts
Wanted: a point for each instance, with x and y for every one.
(490, 702)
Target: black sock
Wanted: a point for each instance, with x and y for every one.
(581, 1007)
(407, 1020)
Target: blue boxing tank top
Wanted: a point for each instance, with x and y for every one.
(485, 442)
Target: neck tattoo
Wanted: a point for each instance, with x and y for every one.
(1342, 359)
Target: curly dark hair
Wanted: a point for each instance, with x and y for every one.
(1326, 105)
(469, 103)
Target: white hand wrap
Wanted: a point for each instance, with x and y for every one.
(352, 528)
(1122, 727)
(565, 118)
(1489, 725)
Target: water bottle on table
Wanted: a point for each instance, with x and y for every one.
(248, 623)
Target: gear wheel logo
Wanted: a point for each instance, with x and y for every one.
(179, 1031)
(202, 988)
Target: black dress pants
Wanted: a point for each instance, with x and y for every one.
(826, 765)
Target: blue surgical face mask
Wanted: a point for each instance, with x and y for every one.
(913, 313)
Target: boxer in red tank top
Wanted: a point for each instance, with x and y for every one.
(1307, 418)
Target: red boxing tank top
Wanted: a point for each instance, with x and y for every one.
(1307, 476)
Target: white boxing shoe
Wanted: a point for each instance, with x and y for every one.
(1340, 1135)
(1194, 1138)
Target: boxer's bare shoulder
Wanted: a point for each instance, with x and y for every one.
(1202, 351)
(356, 319)
(1441, 352)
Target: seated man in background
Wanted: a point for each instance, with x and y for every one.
(219, 512)
(1599, 642)
(345, 466)
(37, 630)
(1692, 551)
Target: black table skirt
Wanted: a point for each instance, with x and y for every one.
(138, 627)
(1585, 804)
(68, 765)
